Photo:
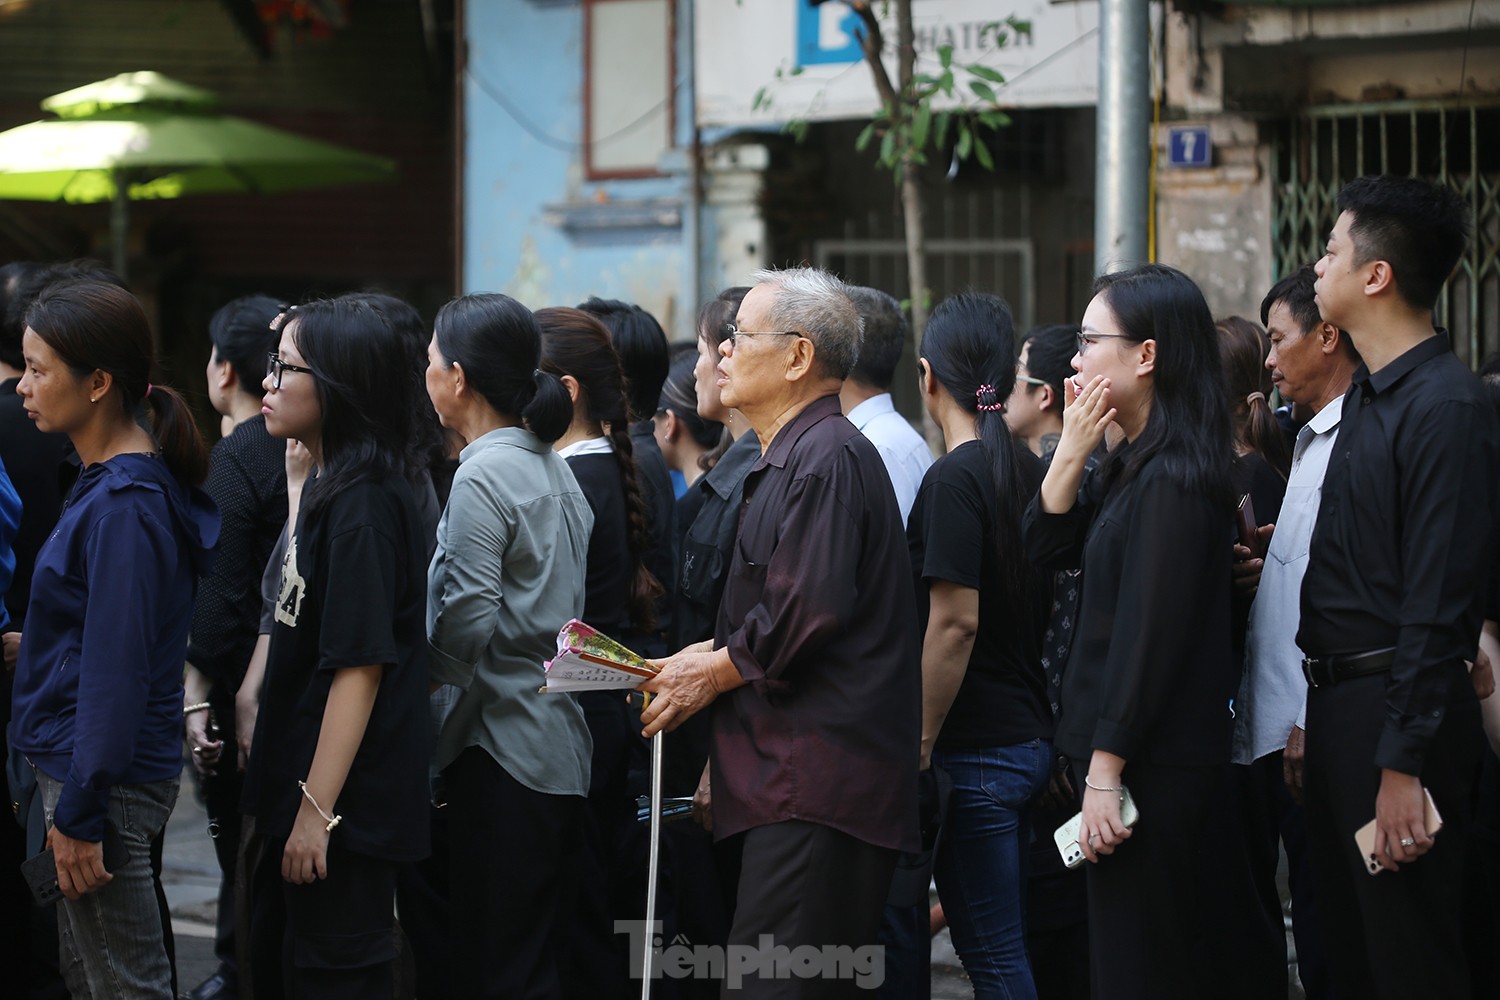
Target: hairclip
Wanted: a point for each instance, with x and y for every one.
(986, 399)
(283, 313)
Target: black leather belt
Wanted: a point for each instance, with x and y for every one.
(1322, 671)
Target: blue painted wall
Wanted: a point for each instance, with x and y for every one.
(524, 162)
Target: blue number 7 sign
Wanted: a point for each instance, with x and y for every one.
(1189, 146)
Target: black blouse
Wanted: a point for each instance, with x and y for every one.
(1150, 674)
(707, 545)
(661, 521)
(611, 566)
(708, 540)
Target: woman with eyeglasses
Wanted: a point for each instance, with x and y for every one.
(1146, 689)
(508, 572)
(713, 500)
(707, 538)
(97, 696)
(337, 779)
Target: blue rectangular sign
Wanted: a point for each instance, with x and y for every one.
(1189, 146)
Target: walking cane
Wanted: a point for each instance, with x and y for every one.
(652, 864)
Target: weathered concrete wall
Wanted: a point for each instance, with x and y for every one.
(534, 226)
(1215, 223)
(1233, 68)
(1262, 25)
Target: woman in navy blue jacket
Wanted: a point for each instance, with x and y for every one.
(98, 687)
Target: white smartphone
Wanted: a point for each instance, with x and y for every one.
(1364, 837)
(1066, 836)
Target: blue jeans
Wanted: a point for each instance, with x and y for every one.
(982, 860)
(111, 939)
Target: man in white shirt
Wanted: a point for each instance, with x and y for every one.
(866, 396)
(1312, 364)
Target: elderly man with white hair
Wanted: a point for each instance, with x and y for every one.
(813, 672)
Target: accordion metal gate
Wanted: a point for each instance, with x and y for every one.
(1321, 148)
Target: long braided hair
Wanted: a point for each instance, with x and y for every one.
(575, 343)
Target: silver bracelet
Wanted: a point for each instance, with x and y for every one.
(201, 706)
(333, 821)
(1118, 789)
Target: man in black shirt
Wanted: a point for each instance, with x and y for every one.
(1392, 600)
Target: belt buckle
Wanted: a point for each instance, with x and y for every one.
(1310, 671)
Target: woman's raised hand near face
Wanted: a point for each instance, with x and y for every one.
(1084, 422)
(1085, 419)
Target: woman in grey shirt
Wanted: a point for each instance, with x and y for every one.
(508, 573)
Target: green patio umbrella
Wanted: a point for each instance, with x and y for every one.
(142, 135)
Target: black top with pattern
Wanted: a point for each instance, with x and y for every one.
(247, 479)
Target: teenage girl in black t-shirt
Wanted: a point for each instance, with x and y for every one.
(337, 778)
(985, 716)
(620, 596)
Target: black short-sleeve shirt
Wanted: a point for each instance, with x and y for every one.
(352, 594)
(951, 537)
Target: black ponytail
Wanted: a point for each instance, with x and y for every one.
(176, 432)
(1247, 384)
(550, 409)
(497, 342)
(969, 346)
(97, 326)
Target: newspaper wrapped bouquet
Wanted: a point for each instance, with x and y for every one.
(589, 660)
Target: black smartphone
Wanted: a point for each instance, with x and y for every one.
(40, 870)
(1244, 517)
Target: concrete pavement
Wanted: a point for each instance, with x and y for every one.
(190, 875)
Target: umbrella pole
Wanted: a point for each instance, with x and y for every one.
(652, 865)
(119, 226)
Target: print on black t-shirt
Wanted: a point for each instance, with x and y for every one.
(289, 604)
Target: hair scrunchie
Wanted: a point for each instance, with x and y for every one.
(1250, 399)
(986, 399)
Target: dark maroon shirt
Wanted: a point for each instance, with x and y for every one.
(819, 615)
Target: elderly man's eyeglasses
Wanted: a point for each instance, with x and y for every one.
(275, 366)
(735, 335)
